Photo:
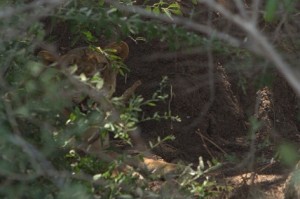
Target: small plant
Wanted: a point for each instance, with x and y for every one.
(165, 8)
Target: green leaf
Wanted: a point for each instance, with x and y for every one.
(167, 12)
(176, 12)
(89, 36)
(288, 154)
(175, 9)
(72, 116)
(271, 9)
(150, 144)
(82, 77)
(101, 2)
(22, 111)
(148, 8)
(156, 10)
(72, 69)
(97, 81)
(151, 104)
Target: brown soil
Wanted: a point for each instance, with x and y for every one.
(215, 118)
(216, 109)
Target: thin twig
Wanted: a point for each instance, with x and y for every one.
(213, 143)
(42, 165)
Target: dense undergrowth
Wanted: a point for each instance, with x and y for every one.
(37, 157)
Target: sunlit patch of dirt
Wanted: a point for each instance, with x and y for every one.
(249, 185)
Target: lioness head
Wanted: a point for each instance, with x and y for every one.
(89, 62)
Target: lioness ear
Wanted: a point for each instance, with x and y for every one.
(122, 49)
(47, 57)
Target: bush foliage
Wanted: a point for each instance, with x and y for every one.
(38, 159)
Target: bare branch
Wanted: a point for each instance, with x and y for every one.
(187, 23)
(10, 11)
(259, 40)
(241, 8)
(255, 10)
(258, 44)
(43, 166)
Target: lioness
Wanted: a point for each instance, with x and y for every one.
(90, 62)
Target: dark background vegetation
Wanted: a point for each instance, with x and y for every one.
(221, 77)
